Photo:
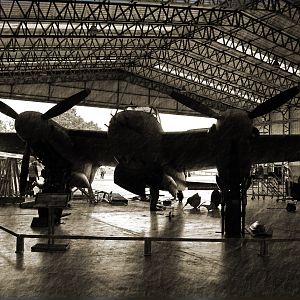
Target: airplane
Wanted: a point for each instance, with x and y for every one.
(145, 156)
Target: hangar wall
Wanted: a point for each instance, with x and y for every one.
(104, 93)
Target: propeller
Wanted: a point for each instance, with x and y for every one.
(264, 108)
(24, 169)
(55, 111)
(194, 105)
(65, 105)
(274, 102)
(7, 110)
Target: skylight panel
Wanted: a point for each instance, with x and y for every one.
(258, 54)
(219, 86)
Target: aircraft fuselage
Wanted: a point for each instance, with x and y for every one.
(135, 140)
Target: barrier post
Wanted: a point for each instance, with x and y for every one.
(147, 247)
(20, 244)
(264, 249)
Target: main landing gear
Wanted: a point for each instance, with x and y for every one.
(154, 195)
(233, 207)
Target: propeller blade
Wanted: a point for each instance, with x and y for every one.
(7, 110)
(24, 170)
(194, 105)
(65, 105)
(274, 102)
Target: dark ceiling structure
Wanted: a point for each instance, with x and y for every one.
(224, 53)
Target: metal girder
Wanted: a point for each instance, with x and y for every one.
(207, 35)
(196, 44)
(268, 32)
(110, 50)
(155, 27)
(264, 55)
(263, 124)
(260, 72)
(46, 9)
(49, 19)
(208, 79)
(129, 20)
(231, 101)
(283, 7)
(215, 73)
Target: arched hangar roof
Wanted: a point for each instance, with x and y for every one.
(223, 53)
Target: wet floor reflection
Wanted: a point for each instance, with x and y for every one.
(119, 268)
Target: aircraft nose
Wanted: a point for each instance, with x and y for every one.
(235, 124)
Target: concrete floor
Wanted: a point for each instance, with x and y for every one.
(114, 269)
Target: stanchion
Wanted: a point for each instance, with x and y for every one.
(147, 247)
(264, 248)
(20, 244)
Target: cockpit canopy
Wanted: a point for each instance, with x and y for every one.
(147, 109)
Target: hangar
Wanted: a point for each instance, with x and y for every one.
(213, 56)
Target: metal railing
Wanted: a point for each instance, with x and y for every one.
(264, 242)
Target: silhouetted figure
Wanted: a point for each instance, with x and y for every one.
(102, 172)
(215, 197)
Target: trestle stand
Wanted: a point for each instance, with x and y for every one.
(50, 202)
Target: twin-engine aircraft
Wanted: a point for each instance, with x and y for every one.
(145, 155)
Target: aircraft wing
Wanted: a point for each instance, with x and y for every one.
(11, 143)
(195, 150)
(92, 145)
(189, 150)
(276, 148)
